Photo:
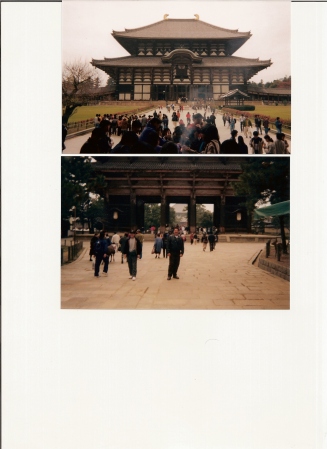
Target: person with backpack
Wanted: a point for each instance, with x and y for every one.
(256, 143)
(100, 249)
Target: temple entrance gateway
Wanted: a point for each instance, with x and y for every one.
(132, 182)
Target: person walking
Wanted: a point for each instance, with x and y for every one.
(140, 237)
(242, 118)
(269, 145)
(132, 252)
(243, 148)
(232, 123)
(164, 242)
(278, 125)
(175, 250)
(246, 125)
(158, 245)
(92, 242)
(100, 251)
(174, 119)
(258, 122)
(122, 243)
(195, 238)
(204, 241)
(265, 123)
(211, 239)
(256, 143)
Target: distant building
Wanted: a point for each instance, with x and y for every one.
(177, 58)
(269, 94)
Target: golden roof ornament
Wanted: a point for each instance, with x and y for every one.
(197, 17)
(165, 16)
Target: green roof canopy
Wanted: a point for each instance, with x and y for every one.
(275, 210)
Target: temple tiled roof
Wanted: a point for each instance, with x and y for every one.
(233, 92)
(155, 61)
(269, 90)
(182, 163)
(181, 29)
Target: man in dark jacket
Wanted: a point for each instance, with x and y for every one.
(151, 129)
(211, 239)
(230, 146)
(132, 251)
(175, 250)
(100, 251)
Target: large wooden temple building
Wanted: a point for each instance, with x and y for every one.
(177, 58)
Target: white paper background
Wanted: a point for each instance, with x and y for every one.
(141, 379)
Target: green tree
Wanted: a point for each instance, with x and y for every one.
(152, 216)
(265, 181)
(77, 183)
(204, 218)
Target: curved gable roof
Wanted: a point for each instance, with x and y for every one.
(181, 29)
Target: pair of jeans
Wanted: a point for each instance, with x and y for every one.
(132, 263)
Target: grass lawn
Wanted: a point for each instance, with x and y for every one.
(86, 112)
(284, 112)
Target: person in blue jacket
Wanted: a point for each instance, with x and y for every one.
(101, 254)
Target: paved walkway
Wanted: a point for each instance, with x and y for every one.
(74, 145)
(222, 279)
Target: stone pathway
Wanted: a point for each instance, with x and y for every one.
(74, 145)
(222, 279)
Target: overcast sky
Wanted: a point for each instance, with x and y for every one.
(87, 27)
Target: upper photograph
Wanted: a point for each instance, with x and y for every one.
(138, 79)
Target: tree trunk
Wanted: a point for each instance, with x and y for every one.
(282, 233)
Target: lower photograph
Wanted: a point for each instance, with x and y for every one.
(175, 232)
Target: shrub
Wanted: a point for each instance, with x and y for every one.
(246, 107)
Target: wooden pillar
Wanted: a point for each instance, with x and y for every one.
(133, 210)
(216, 212)
(163, 213)
(192, 213)
(222, 213)
(140, 214)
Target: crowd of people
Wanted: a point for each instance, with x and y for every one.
(160, 134)
(265, 145)
(170, 243)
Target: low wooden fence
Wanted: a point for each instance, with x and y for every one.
(70, 253)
